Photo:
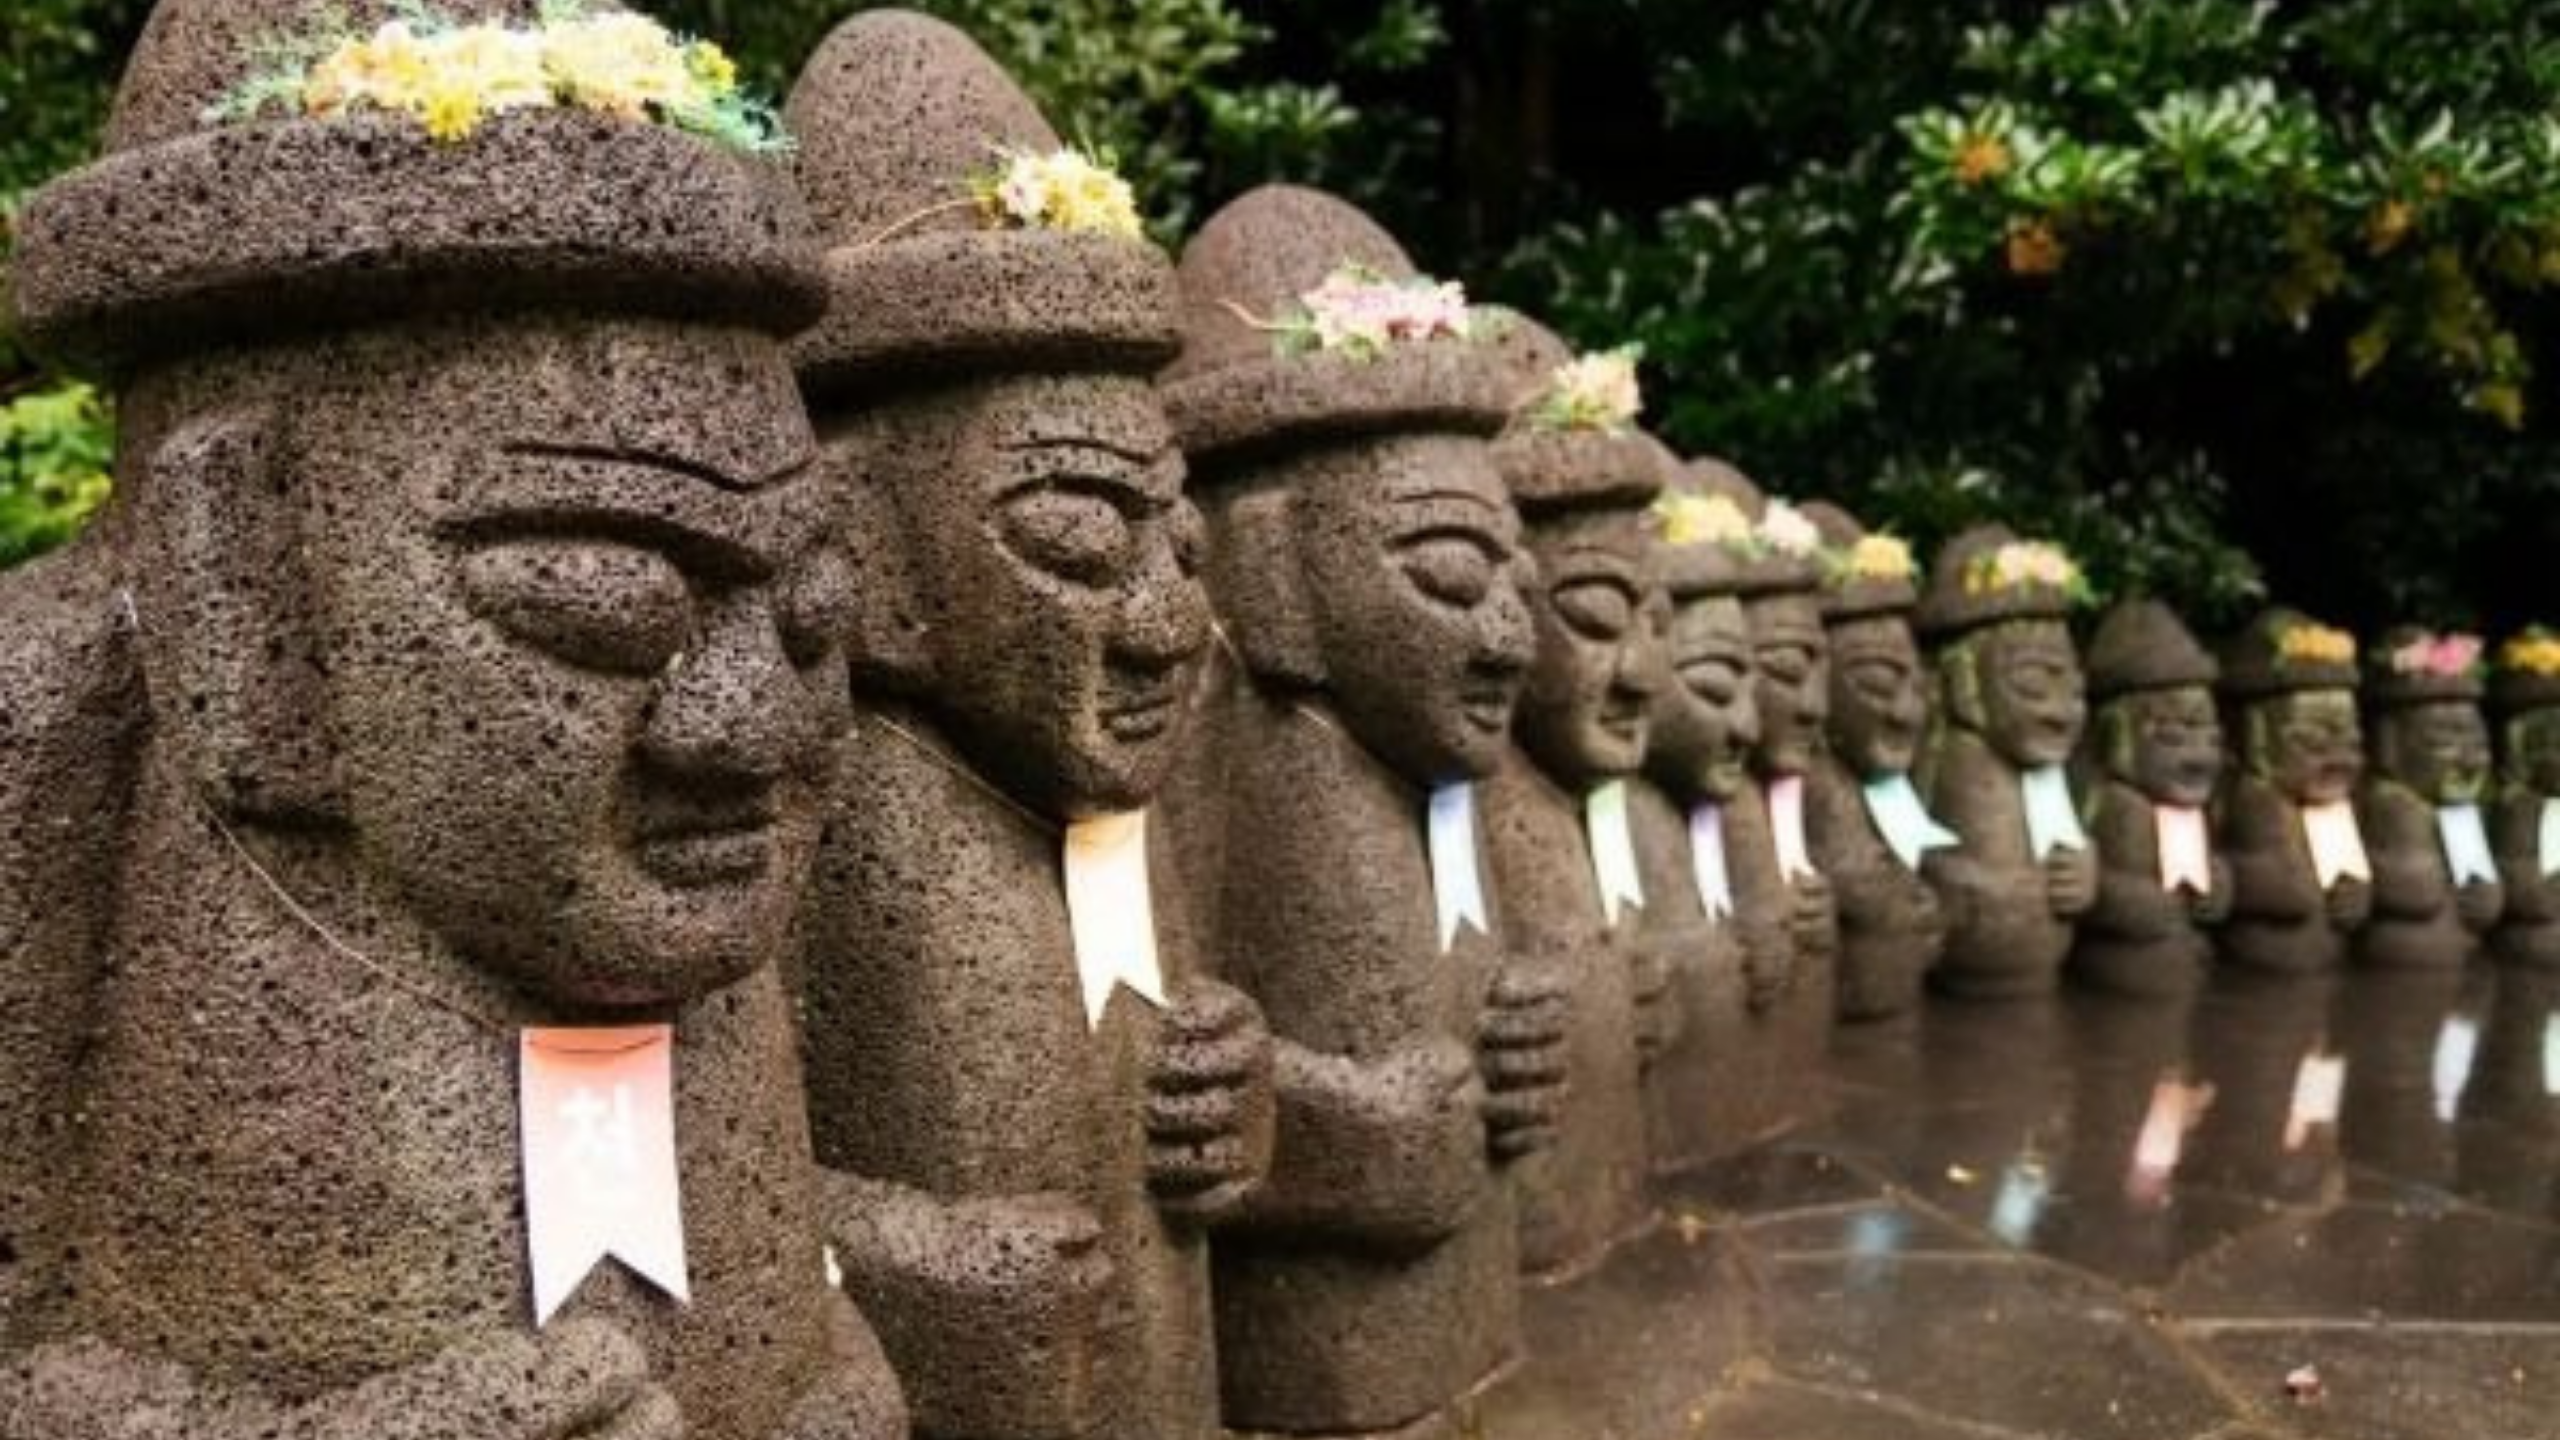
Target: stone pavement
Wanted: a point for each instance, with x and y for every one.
(2102, 1219)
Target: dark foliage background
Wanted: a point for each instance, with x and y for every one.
(2236, 299)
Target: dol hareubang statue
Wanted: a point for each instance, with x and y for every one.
(1870, 830)
(2013, 702)
(2524, 691)
(479, 652)
(1556, 822)
(2435, 881)
(1029, 1156)
(2301, 879)
(2156, 756)
(1367, 568)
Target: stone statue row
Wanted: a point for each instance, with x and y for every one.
(640, 824)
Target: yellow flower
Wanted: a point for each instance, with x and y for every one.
(621, 64)
(1064, 190)
(2316, 644)
(1880, 557)
(2034, 249)
(2388, 225)
(712, 66)
(451, 113)
(1703, 519)
(502, 66)
(2535, 652)
(1981, 157)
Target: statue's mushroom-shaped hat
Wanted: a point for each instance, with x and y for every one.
(1783, 555)
(196, 230)
(1241, 384)
(2412, 665)
(2526, 675)
(2142, 645)
(1551, 465)
(1866, 573)
(905, 129)
(2283, 651)
(1986, 575)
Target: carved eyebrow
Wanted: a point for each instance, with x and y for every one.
(1130, 453)
(655, 459)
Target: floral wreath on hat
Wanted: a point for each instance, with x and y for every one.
(1875, 556)
(2532, 651)
(2307, 642)
(2443, 657)
(1360, 314)
(2025, 564)
(1594, 392)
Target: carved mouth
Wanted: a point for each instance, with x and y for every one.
(1487, 707)
(1143, 716)
(693, 847)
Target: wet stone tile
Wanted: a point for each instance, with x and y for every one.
(1776, 1179)
(1779, 1410)
(1867, 1229)
(2369, 1260)
(2000, 1342)
(2385, 1383)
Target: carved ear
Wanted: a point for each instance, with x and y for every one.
(884, 638)
(1259, 585)
(227, 638)
(2115, 737)
(1960, 680)
(2257, 740)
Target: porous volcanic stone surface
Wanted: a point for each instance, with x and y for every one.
(2429, 745)
(2526, 709)
(2300, 743)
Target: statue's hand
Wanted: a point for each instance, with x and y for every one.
(2480, 903)
(1768, 967)
(2214, 905)
(1209, 1101)
(1813, 921)
(578, 1380)
(2071, 881)
(1520, 1049)
(2350, 902)
(1657, 1005)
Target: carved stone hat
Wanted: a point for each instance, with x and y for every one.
(2283, 651)
(1987, 574)
(1861, 578)
(2527, 674)
(1549, 468)
(2412, 665)
(2143, 645)
(1236, 387)
(896, 115)
(1703, 541)
(1761, 567)
(195, 232)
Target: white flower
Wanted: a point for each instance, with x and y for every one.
(1784, 529)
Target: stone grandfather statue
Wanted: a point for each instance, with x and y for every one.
(2012, 705)
(2301, 878)
(1869, 829)
(1030, 1151)
(1366, 566)
(2524, 691)
(1563, 863)
(2436, 890)
(2155, 757)
(462, 651)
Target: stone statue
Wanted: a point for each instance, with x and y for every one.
(2524, 690)
(1555, 813)
(2435, 881)
(464, 646)
(1366, 566)
(1869, 829)
(2301, 880)
(2012, 704)
(1710, 1093)
(2155, 756)
(1031, 1152)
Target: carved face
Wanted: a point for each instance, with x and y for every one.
(2439, 749)
(1790, 656)
(2307, 744)
(2165, 743)
(580, 643)
(2033, 701)
(1584, 714)
(1051, 562)
(1706, 711)
(2534, 750)
(1412, 572)
(1879, 701)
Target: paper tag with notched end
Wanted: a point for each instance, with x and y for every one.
(1907, 827)
(2549, 848)
(597, 1112)
(2337, 843)
(1786, 829)
(1706, 861)
(2186, 852)
(2319, 1088)
(1111, 910)
(2053, 820)
(2466, 844)
(1613, 849)
(1457, 885)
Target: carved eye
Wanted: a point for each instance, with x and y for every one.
(590, 602)
(1070, 534)
(1879, 678)
(812, 614)
(1450, 568)
(1788, 663)
(1599, 609)
(1716, 679)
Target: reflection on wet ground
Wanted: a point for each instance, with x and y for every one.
(2316, 1207)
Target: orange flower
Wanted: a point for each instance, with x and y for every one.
(1980, 158)
(2034, 249)
(2388, 225)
